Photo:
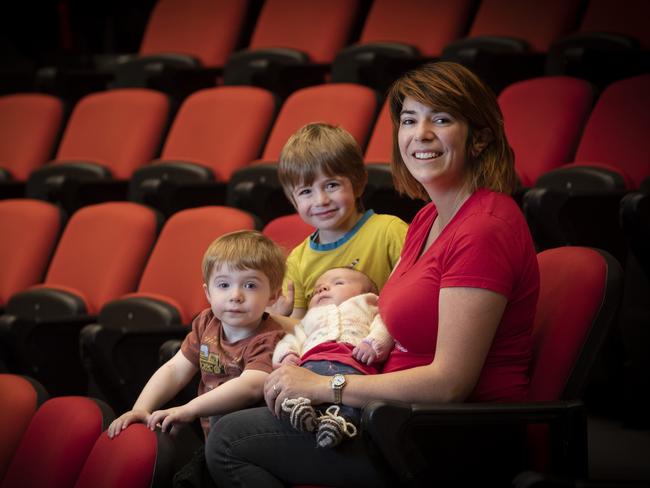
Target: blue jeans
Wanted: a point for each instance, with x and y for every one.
(330, 368)
(252, 448)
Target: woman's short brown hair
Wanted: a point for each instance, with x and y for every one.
(245, 249)
(321, 148)
(452, 88)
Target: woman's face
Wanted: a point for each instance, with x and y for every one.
(432, 145)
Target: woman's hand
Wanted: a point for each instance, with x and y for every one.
(293, 382)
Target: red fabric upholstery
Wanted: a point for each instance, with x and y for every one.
(351, 106)
(29, 127)
(31, 229)
(287, 231)
(222, 128)
(543, 119)
(572, 284)
(319, 28)
(206, 29)
(127, 461)
(56, 444)
(174, 267)
(102, 252)
(630, 19)
(409, 22)
(539, 22)
(380, 146)
(18, 403)
(118, 129)
(623, 144)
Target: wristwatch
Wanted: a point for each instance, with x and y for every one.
(337, 382)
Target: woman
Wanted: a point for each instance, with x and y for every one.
(460, 303)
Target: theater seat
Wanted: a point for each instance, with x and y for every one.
(108, 136)
(57, 442)
(287, 231)
(394, 40)
(120, 351)
(424, 445)
(31, 229)
(137, 458)
(508, 41)
(293, 44)
(578, 203)
(30, 126)
(21, 397)
(215, 132)
(99, 257)
(612, 42)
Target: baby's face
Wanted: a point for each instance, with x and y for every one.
(337, 285)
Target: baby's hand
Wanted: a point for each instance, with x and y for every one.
(284, 304)
(166, 419)
(124, 420)
(290, 359)
(364, 353)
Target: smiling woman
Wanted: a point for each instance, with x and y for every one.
(459, 304)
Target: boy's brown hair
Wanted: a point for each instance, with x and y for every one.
(450, 87)
(321, 148)
(246, 249)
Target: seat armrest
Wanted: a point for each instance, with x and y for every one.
(53, 180)
(582, 179)
(469, 48)
(138, 313)
(257, 190)
(398, 430)
(46, 304)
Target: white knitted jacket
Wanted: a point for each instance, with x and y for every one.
(352, 321)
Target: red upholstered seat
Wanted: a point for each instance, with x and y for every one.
(215, 132)
(29, 129)
(108, 136)
(580, 291)
(578, 203)
(288, 231)
(100, 256)
(21, 397)
(57, 443)
(31, 230)
(561, 106)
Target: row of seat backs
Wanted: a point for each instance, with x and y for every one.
(580, 291)
(61, 442)
(210, 30)
(216, 128)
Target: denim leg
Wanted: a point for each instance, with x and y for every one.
(330, 368)
(252, 448)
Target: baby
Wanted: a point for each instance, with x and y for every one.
(342, 333)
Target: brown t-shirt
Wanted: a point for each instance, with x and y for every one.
(219, 360)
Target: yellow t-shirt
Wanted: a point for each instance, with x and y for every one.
(373, 246)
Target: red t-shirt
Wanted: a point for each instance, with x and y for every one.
(487, 245)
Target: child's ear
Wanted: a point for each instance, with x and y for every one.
(274, 297)
(206, 291)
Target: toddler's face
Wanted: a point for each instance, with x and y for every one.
(337, 285)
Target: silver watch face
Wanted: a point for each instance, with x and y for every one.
(338, 380)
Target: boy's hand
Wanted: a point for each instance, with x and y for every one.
(126, 419)
(284, 304)
(167, 418)
(364, 353)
